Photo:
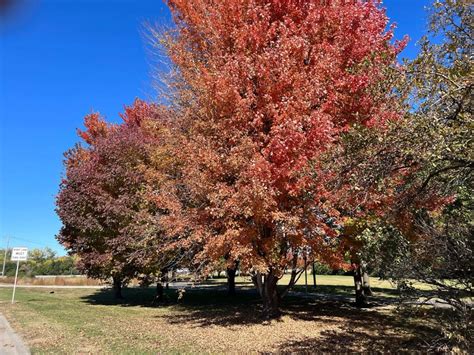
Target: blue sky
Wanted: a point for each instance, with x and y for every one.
(62, 59)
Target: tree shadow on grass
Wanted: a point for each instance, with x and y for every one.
(131, 297)
(353, 329)
(379, 292)
(207, 295)
(192, 297)
(213, 301)
(349, 340)
(201, 308)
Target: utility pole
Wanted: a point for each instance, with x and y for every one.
(5, 256)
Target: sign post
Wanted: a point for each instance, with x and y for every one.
(18, 254)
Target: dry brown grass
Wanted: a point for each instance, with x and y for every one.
(54, 281)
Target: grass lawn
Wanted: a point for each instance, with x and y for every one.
(204, 321)
(331, 284)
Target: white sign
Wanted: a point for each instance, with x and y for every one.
(19, 254)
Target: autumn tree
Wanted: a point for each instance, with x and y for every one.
(263, 88)
(421, 167)
(106, 199)
(353, 243)
(443, 79)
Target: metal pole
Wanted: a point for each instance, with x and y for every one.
(314, 275)
(5, 256)
(305, 275)
(16, 276)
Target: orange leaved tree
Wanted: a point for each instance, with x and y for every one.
(263, 89)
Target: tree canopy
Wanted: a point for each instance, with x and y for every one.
(262, 90)
(106, 200)
(290, 134)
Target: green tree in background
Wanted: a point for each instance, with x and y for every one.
(40, 262)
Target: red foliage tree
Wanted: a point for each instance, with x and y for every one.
(264, 89)
(106, 199)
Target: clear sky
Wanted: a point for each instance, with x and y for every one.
(62, 59)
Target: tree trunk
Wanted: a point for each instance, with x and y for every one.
(231, 280)
(266, 285)
(159, 292)
(166, 279)
(365, 280)
(117, 285)
(271, 299)
(305, 275)
(361, 299)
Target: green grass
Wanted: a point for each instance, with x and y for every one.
(72, 319)
(332, 285)
(205, 321)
